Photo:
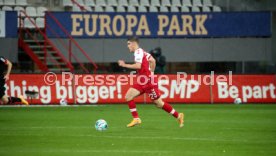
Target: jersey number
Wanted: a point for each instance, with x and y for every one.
(153, 94)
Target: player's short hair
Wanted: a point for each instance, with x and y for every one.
(133, 39)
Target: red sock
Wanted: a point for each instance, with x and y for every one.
(168, 108)
(132, 108)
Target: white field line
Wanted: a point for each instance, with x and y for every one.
(46, 127)
(152, 138)
(38, 106)
(87, 151)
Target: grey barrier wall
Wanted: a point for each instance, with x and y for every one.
(273, 47)
(176, 50)
(9, 48)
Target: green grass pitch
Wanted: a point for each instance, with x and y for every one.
(210, 130)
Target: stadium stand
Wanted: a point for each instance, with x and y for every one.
(164, 9)
(21, 2)
(153, 9)
(28, 23)
(9, 2)
(155, 3)
(206, 9)
(122, 2)
(112, 3)
(131, 9)
(142, 9)
(109, 9)
(79, 2)
(18, 9)
(19, 14)
(185, 9)
(31, 11)
(174, 9)
(99, 8)
(35, 11)
(88, 8)
(67, 3)
(217, 9)
(176, 3)
(187, 3)
(197, 3)
(140, 5)
(76, 8)
(40, 22)
(165, 3)
(89, 3)
(121, 8)
(195, 9)
(134, 3)
(100, 3)
(41, 11)
(7, 8)
(145, 3)
(207, 3)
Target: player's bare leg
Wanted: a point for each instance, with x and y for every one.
(130, 95)
(6, 100)
(169, 109)
(23, 100)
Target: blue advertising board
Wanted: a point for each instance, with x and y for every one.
(8, 24)
(158, 25)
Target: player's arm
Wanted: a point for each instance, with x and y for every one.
(130, 66)
(152, 64)
(9, 64)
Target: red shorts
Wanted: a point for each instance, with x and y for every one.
(151, 89)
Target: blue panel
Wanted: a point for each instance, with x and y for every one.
(158, 25)
(11, 24)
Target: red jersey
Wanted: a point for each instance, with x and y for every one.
(144, 82)
(143, 57)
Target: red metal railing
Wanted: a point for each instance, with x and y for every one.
(26, 47)
(68, 49)
(81, 7)
(28, 50)
(44, 48)
(71, 39)
(46, 40)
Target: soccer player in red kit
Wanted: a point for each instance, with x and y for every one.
(145, 65)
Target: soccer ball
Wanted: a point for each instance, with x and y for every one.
(238, 101)
(101, 125)
(63, 102)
